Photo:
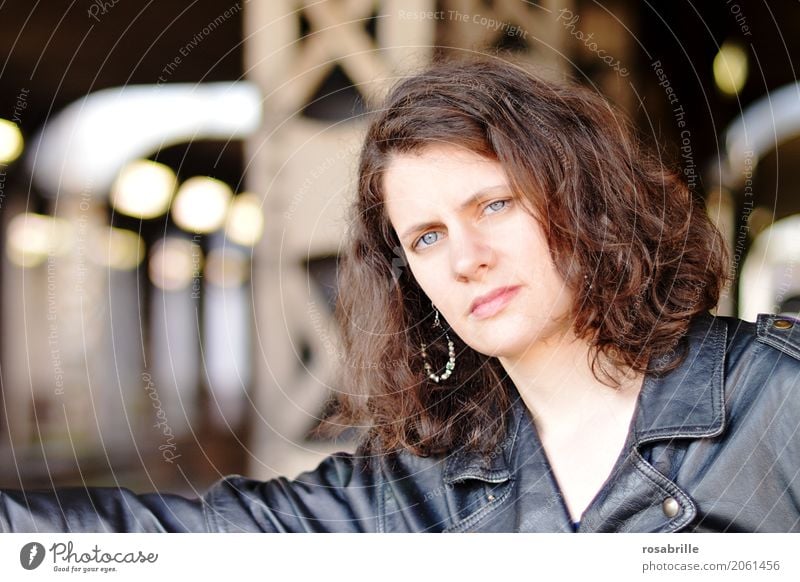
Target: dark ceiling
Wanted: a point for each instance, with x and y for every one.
(58, 51)
(55, 52)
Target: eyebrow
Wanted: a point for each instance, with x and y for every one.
(468, 202)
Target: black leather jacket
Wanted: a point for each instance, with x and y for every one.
(714, 446)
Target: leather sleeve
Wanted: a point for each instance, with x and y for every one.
(339, 495)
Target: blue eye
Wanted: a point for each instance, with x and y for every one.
(426, 238)
(494, 205)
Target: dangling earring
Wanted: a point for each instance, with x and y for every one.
(451, 362)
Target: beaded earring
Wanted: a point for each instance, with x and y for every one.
(451, 362)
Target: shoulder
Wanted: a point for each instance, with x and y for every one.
(771, 342)
(762, 369)
(771, 336)
(758, 450)
(780, 332)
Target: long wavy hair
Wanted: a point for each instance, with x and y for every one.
(625, 232)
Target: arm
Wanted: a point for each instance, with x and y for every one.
(338, 495)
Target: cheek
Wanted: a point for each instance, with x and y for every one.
(439, 290)
(427, 278)
(525, 249)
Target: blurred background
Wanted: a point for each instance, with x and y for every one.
(173, 185)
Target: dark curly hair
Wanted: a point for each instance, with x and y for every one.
(625, 232)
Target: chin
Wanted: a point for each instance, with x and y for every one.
(504, 347)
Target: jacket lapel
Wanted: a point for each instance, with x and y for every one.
(516, 479)
(686, 403)
(638, 496)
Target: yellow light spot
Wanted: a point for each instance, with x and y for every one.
(143, 189)
(174, 262)
(33, 237)
(730, 68)
(201, 204)
(245, 223)
(11, 142)
(117, 248)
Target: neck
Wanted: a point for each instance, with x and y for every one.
(556, 382)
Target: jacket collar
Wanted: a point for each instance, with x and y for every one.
(493, 467)
(686, 402)
(689, 400)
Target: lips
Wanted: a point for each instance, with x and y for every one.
(492, 302)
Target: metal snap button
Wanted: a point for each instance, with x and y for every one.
(670, 507)
(782, 324)
(490, 497)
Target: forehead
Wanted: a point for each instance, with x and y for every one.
(436, 177)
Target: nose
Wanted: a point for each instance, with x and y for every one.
(471, 254)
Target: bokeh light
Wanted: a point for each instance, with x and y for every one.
(33, 237)
(174, 262)
(245, 223)
(227, 267)
(201, 204)
(117, 248)
(11, 142)
(730, 68)
(143, 189)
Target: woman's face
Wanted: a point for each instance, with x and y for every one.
(467, 239)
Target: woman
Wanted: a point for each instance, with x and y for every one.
(525, 312)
